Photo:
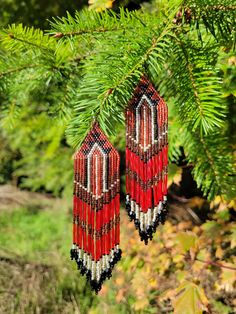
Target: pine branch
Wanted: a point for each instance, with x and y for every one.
(114, 71)
(105, 103)
(209, 155)
(213, 163)
(27, 42)
(83, 32)
(204, 118)
(17, 38)
(135, 68)
(91, 63)
(210, 159)
(218, 17)
(195, 84)
(17, 69)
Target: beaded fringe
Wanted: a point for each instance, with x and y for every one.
(146, 159)
(96, 210)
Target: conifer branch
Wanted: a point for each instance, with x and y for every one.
(131, 71)
(143, 59)
(83, 32)
(27, 42)
(18, 69)
(189, 68)
(211, 162)
(94, 69)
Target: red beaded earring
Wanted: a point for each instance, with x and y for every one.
(146, 159)
(96, 212)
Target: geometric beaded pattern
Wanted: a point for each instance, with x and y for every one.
(146, 159)
(96, 208)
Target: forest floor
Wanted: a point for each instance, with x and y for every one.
(186, 254)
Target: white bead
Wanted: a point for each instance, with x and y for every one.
(103, 262)
(137, 211)
(107, 262)
(149, 214)
(145, 220)
(141, 220)
(93, 270)
(89, 263)
(159, 207)
(98, 270)
(155, 214)
(132, 206)
(85, 259)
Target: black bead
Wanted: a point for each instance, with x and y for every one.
(103, 276)
(88, 274)
(155, 224)
(127, 206)
(83, 270)
(93, 284)
(131, 215)
(79, 263)
(142, 234)
(99, 287)
(118, 254)
(112, 263)
(73, 254)
(106, 273)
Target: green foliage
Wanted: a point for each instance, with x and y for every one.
(35, 12)
(191, 299)
(212, 161)
(53, 84)
(218, 18)
(37, 244)
(196, 85)
(87, 66)
(45, 161)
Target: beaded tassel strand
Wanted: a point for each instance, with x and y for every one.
(146, 159)
(96, 208)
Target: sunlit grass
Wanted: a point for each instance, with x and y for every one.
(43, 237)
(36, 235)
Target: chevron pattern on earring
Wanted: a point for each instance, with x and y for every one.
(146, 159)
(96, 210)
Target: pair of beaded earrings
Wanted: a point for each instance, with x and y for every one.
(96, 210)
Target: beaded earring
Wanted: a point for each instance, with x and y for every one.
(146, 159)
(96, 210)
